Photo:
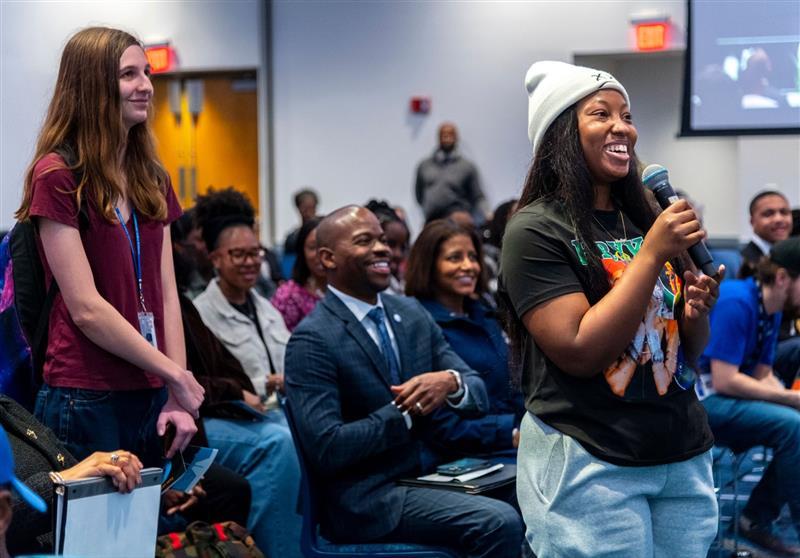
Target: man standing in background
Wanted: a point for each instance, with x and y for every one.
(447, 182)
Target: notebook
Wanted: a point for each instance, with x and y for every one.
(475, 482)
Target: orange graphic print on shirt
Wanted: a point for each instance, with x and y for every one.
(657, 339)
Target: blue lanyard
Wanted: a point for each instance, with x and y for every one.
(136, 254)
(766, 327)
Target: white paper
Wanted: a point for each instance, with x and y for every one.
(113, 524)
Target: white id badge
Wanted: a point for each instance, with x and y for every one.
(147, 325)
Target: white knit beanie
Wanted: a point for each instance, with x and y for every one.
(555, 86)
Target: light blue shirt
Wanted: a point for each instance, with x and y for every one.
(360, 309)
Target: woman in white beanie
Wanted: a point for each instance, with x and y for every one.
(614, 458)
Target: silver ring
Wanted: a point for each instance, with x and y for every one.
(419, 407)
(114, 458)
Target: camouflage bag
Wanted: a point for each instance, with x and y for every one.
(201, 540)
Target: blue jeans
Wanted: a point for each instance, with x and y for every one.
(88, 420)
(263, 452)
(742, 423)
(576, 505)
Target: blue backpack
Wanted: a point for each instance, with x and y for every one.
(25, 304)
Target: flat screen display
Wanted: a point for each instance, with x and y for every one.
(742, 67)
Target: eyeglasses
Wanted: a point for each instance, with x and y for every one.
(240, 255)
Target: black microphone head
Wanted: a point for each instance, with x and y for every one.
(656, 179)
(653, 175)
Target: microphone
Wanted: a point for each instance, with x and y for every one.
(656, 179)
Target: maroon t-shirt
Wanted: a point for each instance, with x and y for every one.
(72, 360)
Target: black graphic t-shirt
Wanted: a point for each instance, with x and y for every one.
(641, 410)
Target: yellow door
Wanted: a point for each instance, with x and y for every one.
(216, 148)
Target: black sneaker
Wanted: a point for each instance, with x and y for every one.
(764, 537)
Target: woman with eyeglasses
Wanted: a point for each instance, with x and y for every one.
(254, 332)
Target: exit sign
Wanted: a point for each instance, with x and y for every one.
(160, 57)
(651, 36)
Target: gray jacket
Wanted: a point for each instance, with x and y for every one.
(447, 182)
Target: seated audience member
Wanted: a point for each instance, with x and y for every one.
(398, 238)
(16, 494)
(246, 323)
(364, 370)
(771, 220)
(37, 452)
(270, 276)
(459, 217)
(296, 298)
(258, 450)
(190, 243)
(202, 272)
(746, 404)
(493, 243)
(254, 332)
(444, 274)
(31, 452)
(306, 202)
(5, 517)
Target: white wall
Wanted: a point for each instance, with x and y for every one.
(702, 166)
(214, 34)
(344, 73)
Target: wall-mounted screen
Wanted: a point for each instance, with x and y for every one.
(742, 68)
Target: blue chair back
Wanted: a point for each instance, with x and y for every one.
(287, 265)
(314, 546)
(730, 257)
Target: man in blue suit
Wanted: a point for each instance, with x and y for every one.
(363, 372)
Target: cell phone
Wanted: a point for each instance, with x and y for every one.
(461, 466)
(173, 470)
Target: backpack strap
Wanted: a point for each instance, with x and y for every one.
(38, 342)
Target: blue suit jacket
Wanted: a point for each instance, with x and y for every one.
(357, 443)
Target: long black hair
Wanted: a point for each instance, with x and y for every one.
(221, 209)
(300, 271)
(560, 174)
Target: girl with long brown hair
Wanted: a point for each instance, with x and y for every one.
(115, 366)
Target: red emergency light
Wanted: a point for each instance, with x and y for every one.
(651, 36)
(161, 58)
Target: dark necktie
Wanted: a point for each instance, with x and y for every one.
(376, 315)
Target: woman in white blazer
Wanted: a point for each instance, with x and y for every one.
(254, 332)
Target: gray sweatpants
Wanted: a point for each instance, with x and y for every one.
(576, 505)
